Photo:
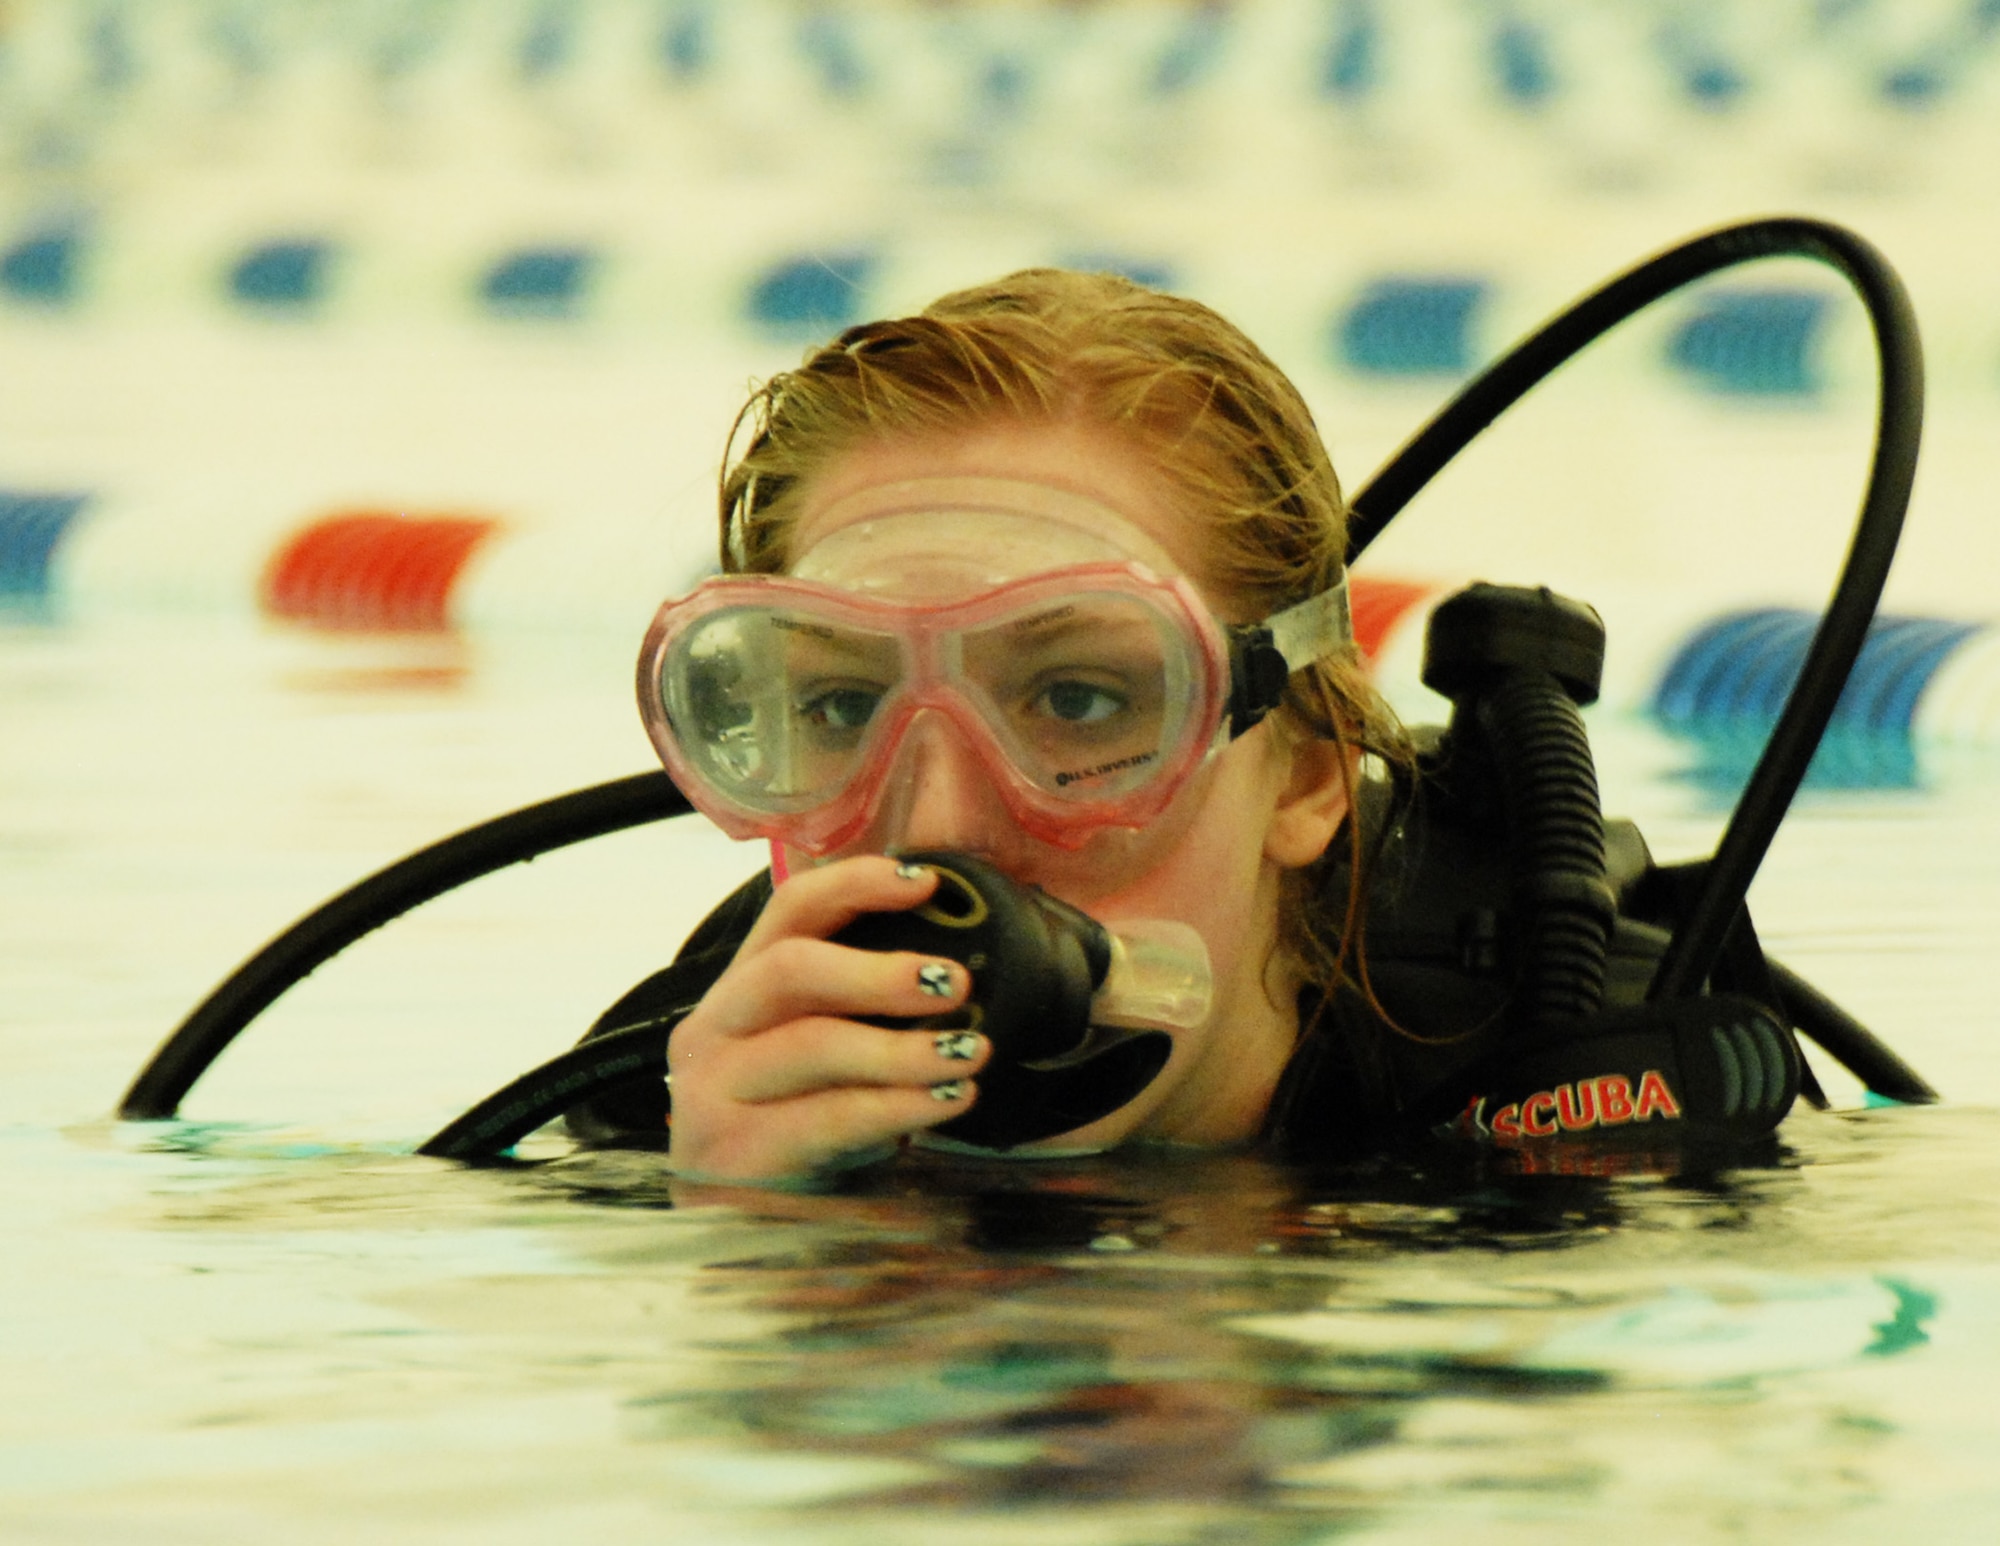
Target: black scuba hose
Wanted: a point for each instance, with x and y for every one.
(1859, 1050)
(387, 894)
(1850, 1043)
(544, 1093)
(1535, 736)
(1842, 631)
(1517, 665)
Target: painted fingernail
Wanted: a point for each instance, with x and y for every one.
(951, 1089)
(956, 1046)
(909, 871)
(934, 978)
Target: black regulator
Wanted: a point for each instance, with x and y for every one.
(1500, 931)
(1039, 971)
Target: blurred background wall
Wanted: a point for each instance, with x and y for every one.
(263, 262)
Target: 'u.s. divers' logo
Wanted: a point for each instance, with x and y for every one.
(1606, 1101)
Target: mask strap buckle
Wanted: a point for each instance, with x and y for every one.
(1263, 656)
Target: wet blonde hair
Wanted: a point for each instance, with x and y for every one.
(1206, 407)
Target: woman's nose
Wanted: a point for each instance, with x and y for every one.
(940, 795)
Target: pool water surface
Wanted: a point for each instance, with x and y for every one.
(270, 1316)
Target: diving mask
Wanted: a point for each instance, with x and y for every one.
(1089, 694)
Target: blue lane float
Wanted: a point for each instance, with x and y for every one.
(41, 268)
(548, 43)
(1753, 343)
(827, 42)
(687, 42)
(812, 295)
(1522, 66)
(1352, 68)
(1409, 326)
(538, 282)
(32, 527)
(1916, 85)
(282, 276)
(1725, 686)
(1938, 67)
(1708, 79)
(111, 53)
(1737, 671)
(1192, 54)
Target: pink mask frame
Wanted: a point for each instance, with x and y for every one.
(825, 822)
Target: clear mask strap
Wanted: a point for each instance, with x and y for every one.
(1313, 629)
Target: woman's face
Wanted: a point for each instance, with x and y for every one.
(1260, 804)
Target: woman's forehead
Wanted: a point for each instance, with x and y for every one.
(1085, 493)
(947, 536)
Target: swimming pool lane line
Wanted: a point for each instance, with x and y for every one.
(1705, 674)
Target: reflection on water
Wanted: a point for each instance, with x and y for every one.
(1156, 1348)
(1051, 1338)
(1281, 1355)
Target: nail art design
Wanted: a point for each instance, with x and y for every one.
(956, 1046)
(951, 1089)
(934, 978)
(909, 871)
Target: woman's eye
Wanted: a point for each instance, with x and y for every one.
(1079, 703)
(841, 708)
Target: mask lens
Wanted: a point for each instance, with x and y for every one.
(775, 706)
(1088, 694)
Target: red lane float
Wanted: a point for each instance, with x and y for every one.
(372, 570)
(1378, 605)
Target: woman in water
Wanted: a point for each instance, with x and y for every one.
(1051, 458)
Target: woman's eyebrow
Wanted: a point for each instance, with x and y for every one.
(1053, 623)
(1065, 622)
(816, 644)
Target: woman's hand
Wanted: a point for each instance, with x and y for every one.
(772, 1076)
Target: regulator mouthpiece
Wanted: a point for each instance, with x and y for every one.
(1078, 1013)
(1158, 976)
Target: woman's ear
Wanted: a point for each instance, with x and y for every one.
(1313, 802)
